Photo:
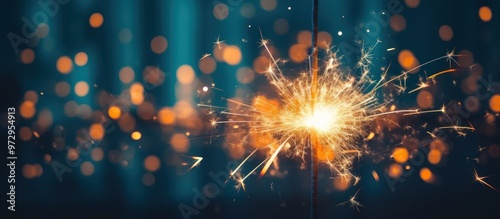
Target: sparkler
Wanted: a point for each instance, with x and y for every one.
(327, 112)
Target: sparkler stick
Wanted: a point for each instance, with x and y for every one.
(314, 84)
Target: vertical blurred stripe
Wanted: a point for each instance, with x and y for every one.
(127, 14)
(181, 28)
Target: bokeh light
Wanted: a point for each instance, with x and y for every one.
(81, 59)
(64, 65)
(87, 168)
(232, 55)
(81, 88)
(185, 74)
(27, 56)
(152, 163)
(446, 33)
(485, 13)
(96, 20)
(159, 44)
(495, 103)
(62, 89)
(136, 135)
(126, 75)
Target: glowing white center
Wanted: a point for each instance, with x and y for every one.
(323, 119)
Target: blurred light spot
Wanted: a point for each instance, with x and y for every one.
(205, 88)
(25, 133)
(81, 88)
(185, 74)
(221, 11)
(126, 75)
(136, 135)
(494, 151)
(465, 58)
(84, 111)
(159, 44)
(280, 26)
(398, 22)
(27, 56)
(148, 179)
(29, 171)
(97, 154)
(232, 55)
(183, 109)
(42, 30)
(412, 3)
(45, 119)
(247, 10)
(341, 183)
(495, 103)
(87, 168)
(96, 131)
(71, 108)
(207, 65)
(438, 144)
(268, 5)
(127, 123)
(31, 96)
(114, 112)
(446, 33)
(469, 84)
(152, 163)
(324, 40)
(27, 109)
(136, 93)
(166, 116)
(81, 59)
(47, 159)
(38, 170)
(153, 75)
(96, 20)
(434, 156)
(408, 61)
(260, 64)
(304, 38)
(400, 155)
(375, 175)
(245, 75)
(425, 99)
(62, 89)
(485, 13)
(146, 110)
(395, 170)
(370, 136)
(72, 154)
(219, 51)
(64, 64)
(297, 53)
(180, 143)
(426, 175)
(125, 36)
(339, 33)
(325, 155)
(472, 104)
